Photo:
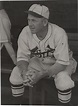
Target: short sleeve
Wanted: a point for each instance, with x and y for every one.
(23, 52)
(61, 50)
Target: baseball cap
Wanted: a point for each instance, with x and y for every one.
(39, 11)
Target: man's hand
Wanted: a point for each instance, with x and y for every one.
(33, 76)
(23, 67)
(35, 72)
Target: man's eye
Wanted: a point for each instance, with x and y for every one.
(34, 20)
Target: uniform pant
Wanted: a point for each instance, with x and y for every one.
(63, 81)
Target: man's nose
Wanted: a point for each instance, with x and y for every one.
(30, 23)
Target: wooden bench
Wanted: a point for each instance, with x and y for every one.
(7, 66)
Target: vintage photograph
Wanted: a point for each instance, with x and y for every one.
(39, 52)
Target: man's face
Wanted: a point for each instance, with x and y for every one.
(35, 24)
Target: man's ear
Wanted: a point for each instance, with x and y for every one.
(45, 22)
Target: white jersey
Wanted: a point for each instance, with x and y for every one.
(55, 44)
(5, 27)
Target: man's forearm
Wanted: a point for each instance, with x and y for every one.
(56, 68)
(22, 65)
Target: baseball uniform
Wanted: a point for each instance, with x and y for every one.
(40, 55)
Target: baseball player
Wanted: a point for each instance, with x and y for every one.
(43, 51)
(5, 34)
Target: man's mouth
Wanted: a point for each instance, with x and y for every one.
(32, 29)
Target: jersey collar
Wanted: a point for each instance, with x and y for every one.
(47, 36)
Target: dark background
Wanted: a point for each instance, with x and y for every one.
(62, 12)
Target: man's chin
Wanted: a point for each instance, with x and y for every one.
(33, 32)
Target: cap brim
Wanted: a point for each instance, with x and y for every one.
(34, 14)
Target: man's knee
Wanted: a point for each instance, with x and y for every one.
(63, 81)
(15, 77)
(16, 81)
(64, 84)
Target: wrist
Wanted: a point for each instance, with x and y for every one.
(24, 74)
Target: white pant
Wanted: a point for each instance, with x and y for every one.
(62, 80)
